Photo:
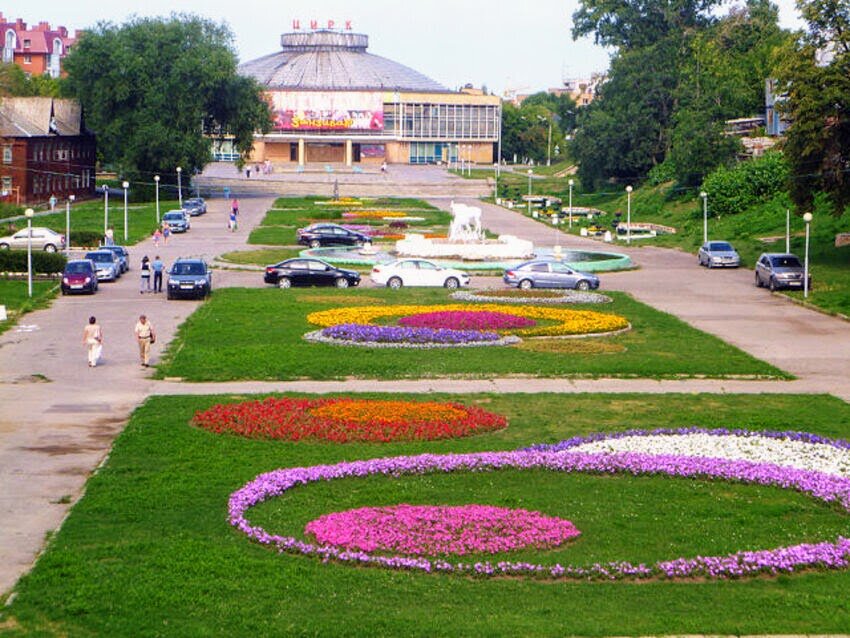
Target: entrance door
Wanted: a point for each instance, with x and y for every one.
(355, 153)
(293, 152)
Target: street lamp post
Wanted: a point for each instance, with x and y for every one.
(549, 145)
(469, 160)
(68, 225)
(29, 213)
(156, 181)
(126, 185)
(105, 207)
(495, 182)
(787, 230)
(529, 192)
(704, 196)
(629, 215)
(179, 187)
(571, 182)
(808, 219)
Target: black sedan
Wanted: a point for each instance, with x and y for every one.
(309, 272)
(330, 235)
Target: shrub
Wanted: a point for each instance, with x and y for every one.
(86, 238)
(733, 190)
(16, 261)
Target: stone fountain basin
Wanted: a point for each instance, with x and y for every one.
(505, 247)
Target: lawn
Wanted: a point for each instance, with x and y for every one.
(14, 295)
(257, 334)
(148, 550)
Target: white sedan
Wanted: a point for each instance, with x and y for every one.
(417, 272)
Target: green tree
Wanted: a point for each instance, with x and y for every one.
(14, 82)
(816, 70)
(152, 86)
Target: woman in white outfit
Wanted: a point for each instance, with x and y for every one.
(93, 340)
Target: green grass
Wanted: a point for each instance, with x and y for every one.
(257, 334)
(89, 217)
(148, 551)
(14, 295)
(261, 257)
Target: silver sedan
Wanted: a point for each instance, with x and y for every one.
(717, 254)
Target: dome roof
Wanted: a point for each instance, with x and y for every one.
(329, 60)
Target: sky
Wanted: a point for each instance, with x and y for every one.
(528, 48)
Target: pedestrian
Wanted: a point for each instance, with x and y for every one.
(145, 284)
(232, 221)
(157, 237)
(158, 268)
(384, 166)
(166, 233)
(53, 201)
(93, 341)
(247, 172)
(146, 336)
(109, 239)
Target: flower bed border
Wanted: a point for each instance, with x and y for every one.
(568, 297)
(316, 336)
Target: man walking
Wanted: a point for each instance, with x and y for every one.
(158, 267)
(145, 335)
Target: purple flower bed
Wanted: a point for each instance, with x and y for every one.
(467, 320)
(433, 530)
(822, 555)
(395, 334)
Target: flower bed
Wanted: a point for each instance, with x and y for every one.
(820, 555)
(466, 320)
(570, 322)
(464, 529)
(374, 214)
(356, 334)
(534, 296)
(343, 420)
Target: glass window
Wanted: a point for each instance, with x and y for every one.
(7, 153)
(540, 268)
(426, 265)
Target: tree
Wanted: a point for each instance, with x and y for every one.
(152, 87)
(14, 82)
(818, 104)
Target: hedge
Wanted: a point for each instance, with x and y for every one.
(16, 261)
(734, 190)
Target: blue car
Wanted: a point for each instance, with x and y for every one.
(123, 256)
(107, 264)
(189, 278)
(177, 220)
(549, 274)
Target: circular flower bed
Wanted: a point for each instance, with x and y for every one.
(534, 296)
(355, 334)
(342, 420)
(433, 530)
(466, 320)
(569, 322)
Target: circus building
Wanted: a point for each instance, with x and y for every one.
(333, 102)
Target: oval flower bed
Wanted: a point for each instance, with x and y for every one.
(356, 334)
(432, 530)
(467, 320)
(569, 322)
(819, 485)
(534, 296)
(341, 420)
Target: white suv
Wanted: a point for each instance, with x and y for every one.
(42, 239)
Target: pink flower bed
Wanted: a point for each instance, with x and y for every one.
(434, 530)
(467, 320)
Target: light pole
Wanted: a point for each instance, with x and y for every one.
(469, 160)
(179, 187)
(105, 208)
(787, 230)
(571, 182)
(704, 196)
(629, 215)
(495, 182)
(68, 225)
(529, 192)
(126, 185)
(156, 181)
(808, 219)
(29, 213)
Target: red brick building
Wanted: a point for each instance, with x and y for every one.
(39, 50)
(45, 150)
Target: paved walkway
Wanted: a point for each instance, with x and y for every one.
(58, 418)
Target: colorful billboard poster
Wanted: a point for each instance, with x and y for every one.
(327, 111)
(372, 150)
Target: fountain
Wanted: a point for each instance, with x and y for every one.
(466, 241)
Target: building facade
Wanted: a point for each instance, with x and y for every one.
(38, 51)
(46, 150)
(335, 103)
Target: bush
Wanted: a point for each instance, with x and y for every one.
(733, 190)
(86, 238)
(16, 261)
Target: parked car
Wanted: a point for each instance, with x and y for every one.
(417, 272)
(549, 274)
(189, 278)
(42, 239)
(713, 254)
(195, 206)
(107, 263)
(123, 255)
(330, 235)
(177, 220)
(80, 275)
(309, 272)
(780, 270)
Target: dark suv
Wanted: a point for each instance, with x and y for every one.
(189, 278)
(780, 270)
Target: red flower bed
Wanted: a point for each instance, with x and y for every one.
(342, 420)
(466, 320)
